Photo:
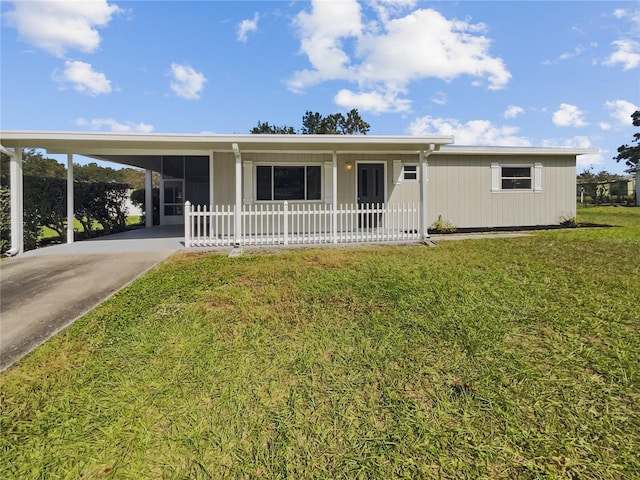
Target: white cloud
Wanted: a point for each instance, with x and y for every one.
(57, 26)
(247, 26)
(604, 126)
(388, 8)
(626, 50)
(474, 132)
(627, 53)
(579, 141)
(83, 78)
(187, 83)
(568, 116)
(633, 15)
(374, 102)
(621, 111)
(321, 33)
(440, 98)
(513, 111)
(385, 55)
(619, 13)
(113, 125)
(579, 50)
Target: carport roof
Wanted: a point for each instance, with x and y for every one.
(96, 143)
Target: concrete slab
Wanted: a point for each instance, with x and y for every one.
(46, 290)
(138, 240)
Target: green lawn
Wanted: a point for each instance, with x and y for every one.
(48, 233)
(500, 358)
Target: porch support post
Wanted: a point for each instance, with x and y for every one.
(148, 198)
(334, 198)
(424, 222)
(16, 202)
(211, 181)
(70, 194)
(237, 230)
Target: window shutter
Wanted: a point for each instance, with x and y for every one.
(495, 177)
(247, 184)
(397, 172)
(537, 177)
(328, 182)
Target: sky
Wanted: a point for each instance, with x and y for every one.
(553, 74)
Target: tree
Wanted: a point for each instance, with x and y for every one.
(134, 177)
(315, 124)
(265, 128)
(138, 198)
(45, 202)
(334, 124)
(311, 123)
(101, 202)
(5, 219)
(355, 124)
(34, 164)
(631, 153)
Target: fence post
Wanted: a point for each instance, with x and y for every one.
(286, 222)
(187, 224)
(237, 222)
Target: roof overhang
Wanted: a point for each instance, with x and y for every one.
(95, 144)
(145, 150)
(511, 151)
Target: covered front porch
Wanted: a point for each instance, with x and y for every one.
(259, 189)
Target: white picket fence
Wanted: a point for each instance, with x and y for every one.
(299, 223)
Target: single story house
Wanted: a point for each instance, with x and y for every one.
(282, 189)
(620, 191)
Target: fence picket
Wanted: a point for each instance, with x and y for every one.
(272, 224)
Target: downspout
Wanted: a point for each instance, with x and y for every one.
(424, 222)
(16, 200)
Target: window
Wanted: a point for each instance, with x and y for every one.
(516, 178)
(410, 173)
(288, 182)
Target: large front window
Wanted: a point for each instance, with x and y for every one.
(288, 182)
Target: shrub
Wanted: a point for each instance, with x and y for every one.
(138, 199)
(442, 226)
(5, 220)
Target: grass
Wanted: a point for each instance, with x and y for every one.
(502, 358)
(50, 234)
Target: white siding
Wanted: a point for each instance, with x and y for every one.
(459, 186)
(460, 191)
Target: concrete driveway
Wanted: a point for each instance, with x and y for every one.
(44, 291)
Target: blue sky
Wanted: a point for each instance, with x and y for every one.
(489, 73)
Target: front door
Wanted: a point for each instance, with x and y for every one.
(370, 192)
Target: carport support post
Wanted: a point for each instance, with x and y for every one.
(148, 198)
(17, 202)
(70, 198)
